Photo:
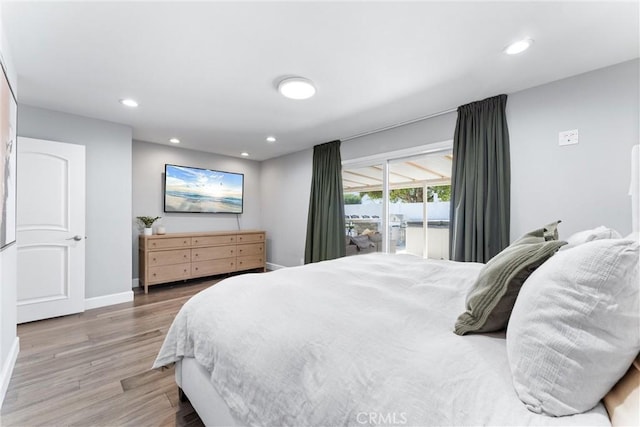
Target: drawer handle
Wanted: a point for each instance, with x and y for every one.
(154, 274)
(186, 256)
(196, 269)
(240, 250)
(185, 242)
(185, 270)
(154, 259)
(231, 239)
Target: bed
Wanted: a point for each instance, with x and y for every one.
(362, 340)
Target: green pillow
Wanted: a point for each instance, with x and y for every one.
(492, 296)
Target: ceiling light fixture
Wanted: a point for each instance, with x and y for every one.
(129, 102)
(271, 139)
(244, 154)
(296, 88)
(174, 141)
(518, 47)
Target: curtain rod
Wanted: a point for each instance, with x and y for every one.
(408, 122)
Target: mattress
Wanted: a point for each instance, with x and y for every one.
(360, 340)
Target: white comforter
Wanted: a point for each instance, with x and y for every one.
(357, 341)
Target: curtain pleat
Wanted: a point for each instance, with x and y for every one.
(480, 181)
(325, 226)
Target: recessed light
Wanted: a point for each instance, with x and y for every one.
(271, 139)
(296, 88)
(518, 47)
(174, 141)
(244, 154)
(129, 102)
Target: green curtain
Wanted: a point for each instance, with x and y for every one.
(480, 182)
(325, 226)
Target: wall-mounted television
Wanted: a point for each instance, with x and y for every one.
(196, 190)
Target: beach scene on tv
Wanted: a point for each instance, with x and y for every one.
(202, 190)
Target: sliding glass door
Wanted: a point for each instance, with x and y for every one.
(418, 201)
(363, 208)
(403, 202)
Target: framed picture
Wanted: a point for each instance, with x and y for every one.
(8, 148)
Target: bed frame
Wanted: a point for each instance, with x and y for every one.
(194, 381)
(195, 385)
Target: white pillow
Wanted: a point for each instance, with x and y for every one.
(574, 329)
(635, 236)
(585, 236)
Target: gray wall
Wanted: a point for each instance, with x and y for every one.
(148, 191)
(584, 185)
(286, 185)
(436, 129)
(286, 182)
(108, 217)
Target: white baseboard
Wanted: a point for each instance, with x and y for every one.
(271, 266)
(7, 368)
(135, 283)
(105, 300)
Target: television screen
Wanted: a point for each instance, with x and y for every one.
(188, 189)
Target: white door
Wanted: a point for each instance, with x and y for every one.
(50, 229)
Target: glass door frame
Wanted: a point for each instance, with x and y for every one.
(384, 160)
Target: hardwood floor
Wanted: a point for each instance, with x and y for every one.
(93, 368)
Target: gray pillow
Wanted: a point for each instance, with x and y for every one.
(492, 296)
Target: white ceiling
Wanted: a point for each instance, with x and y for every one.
(206, 72)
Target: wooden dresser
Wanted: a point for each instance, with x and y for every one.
(172, 257)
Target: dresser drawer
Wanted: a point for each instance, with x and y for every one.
(177, 256)
(250, 249)
(169, 273)
(248, 262)
(208, 268)
(251, 238)
(173, 242)
(213, 240)
(182, 256)
(215, 252)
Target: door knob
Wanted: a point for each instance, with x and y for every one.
(76, 238)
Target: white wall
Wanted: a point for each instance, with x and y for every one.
(8, 316)
(584, 185)
(108, 218)
(9, 343)
(437, 211)
(148, 191)
(286, 187)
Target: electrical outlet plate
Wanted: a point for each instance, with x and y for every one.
(568, 137)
